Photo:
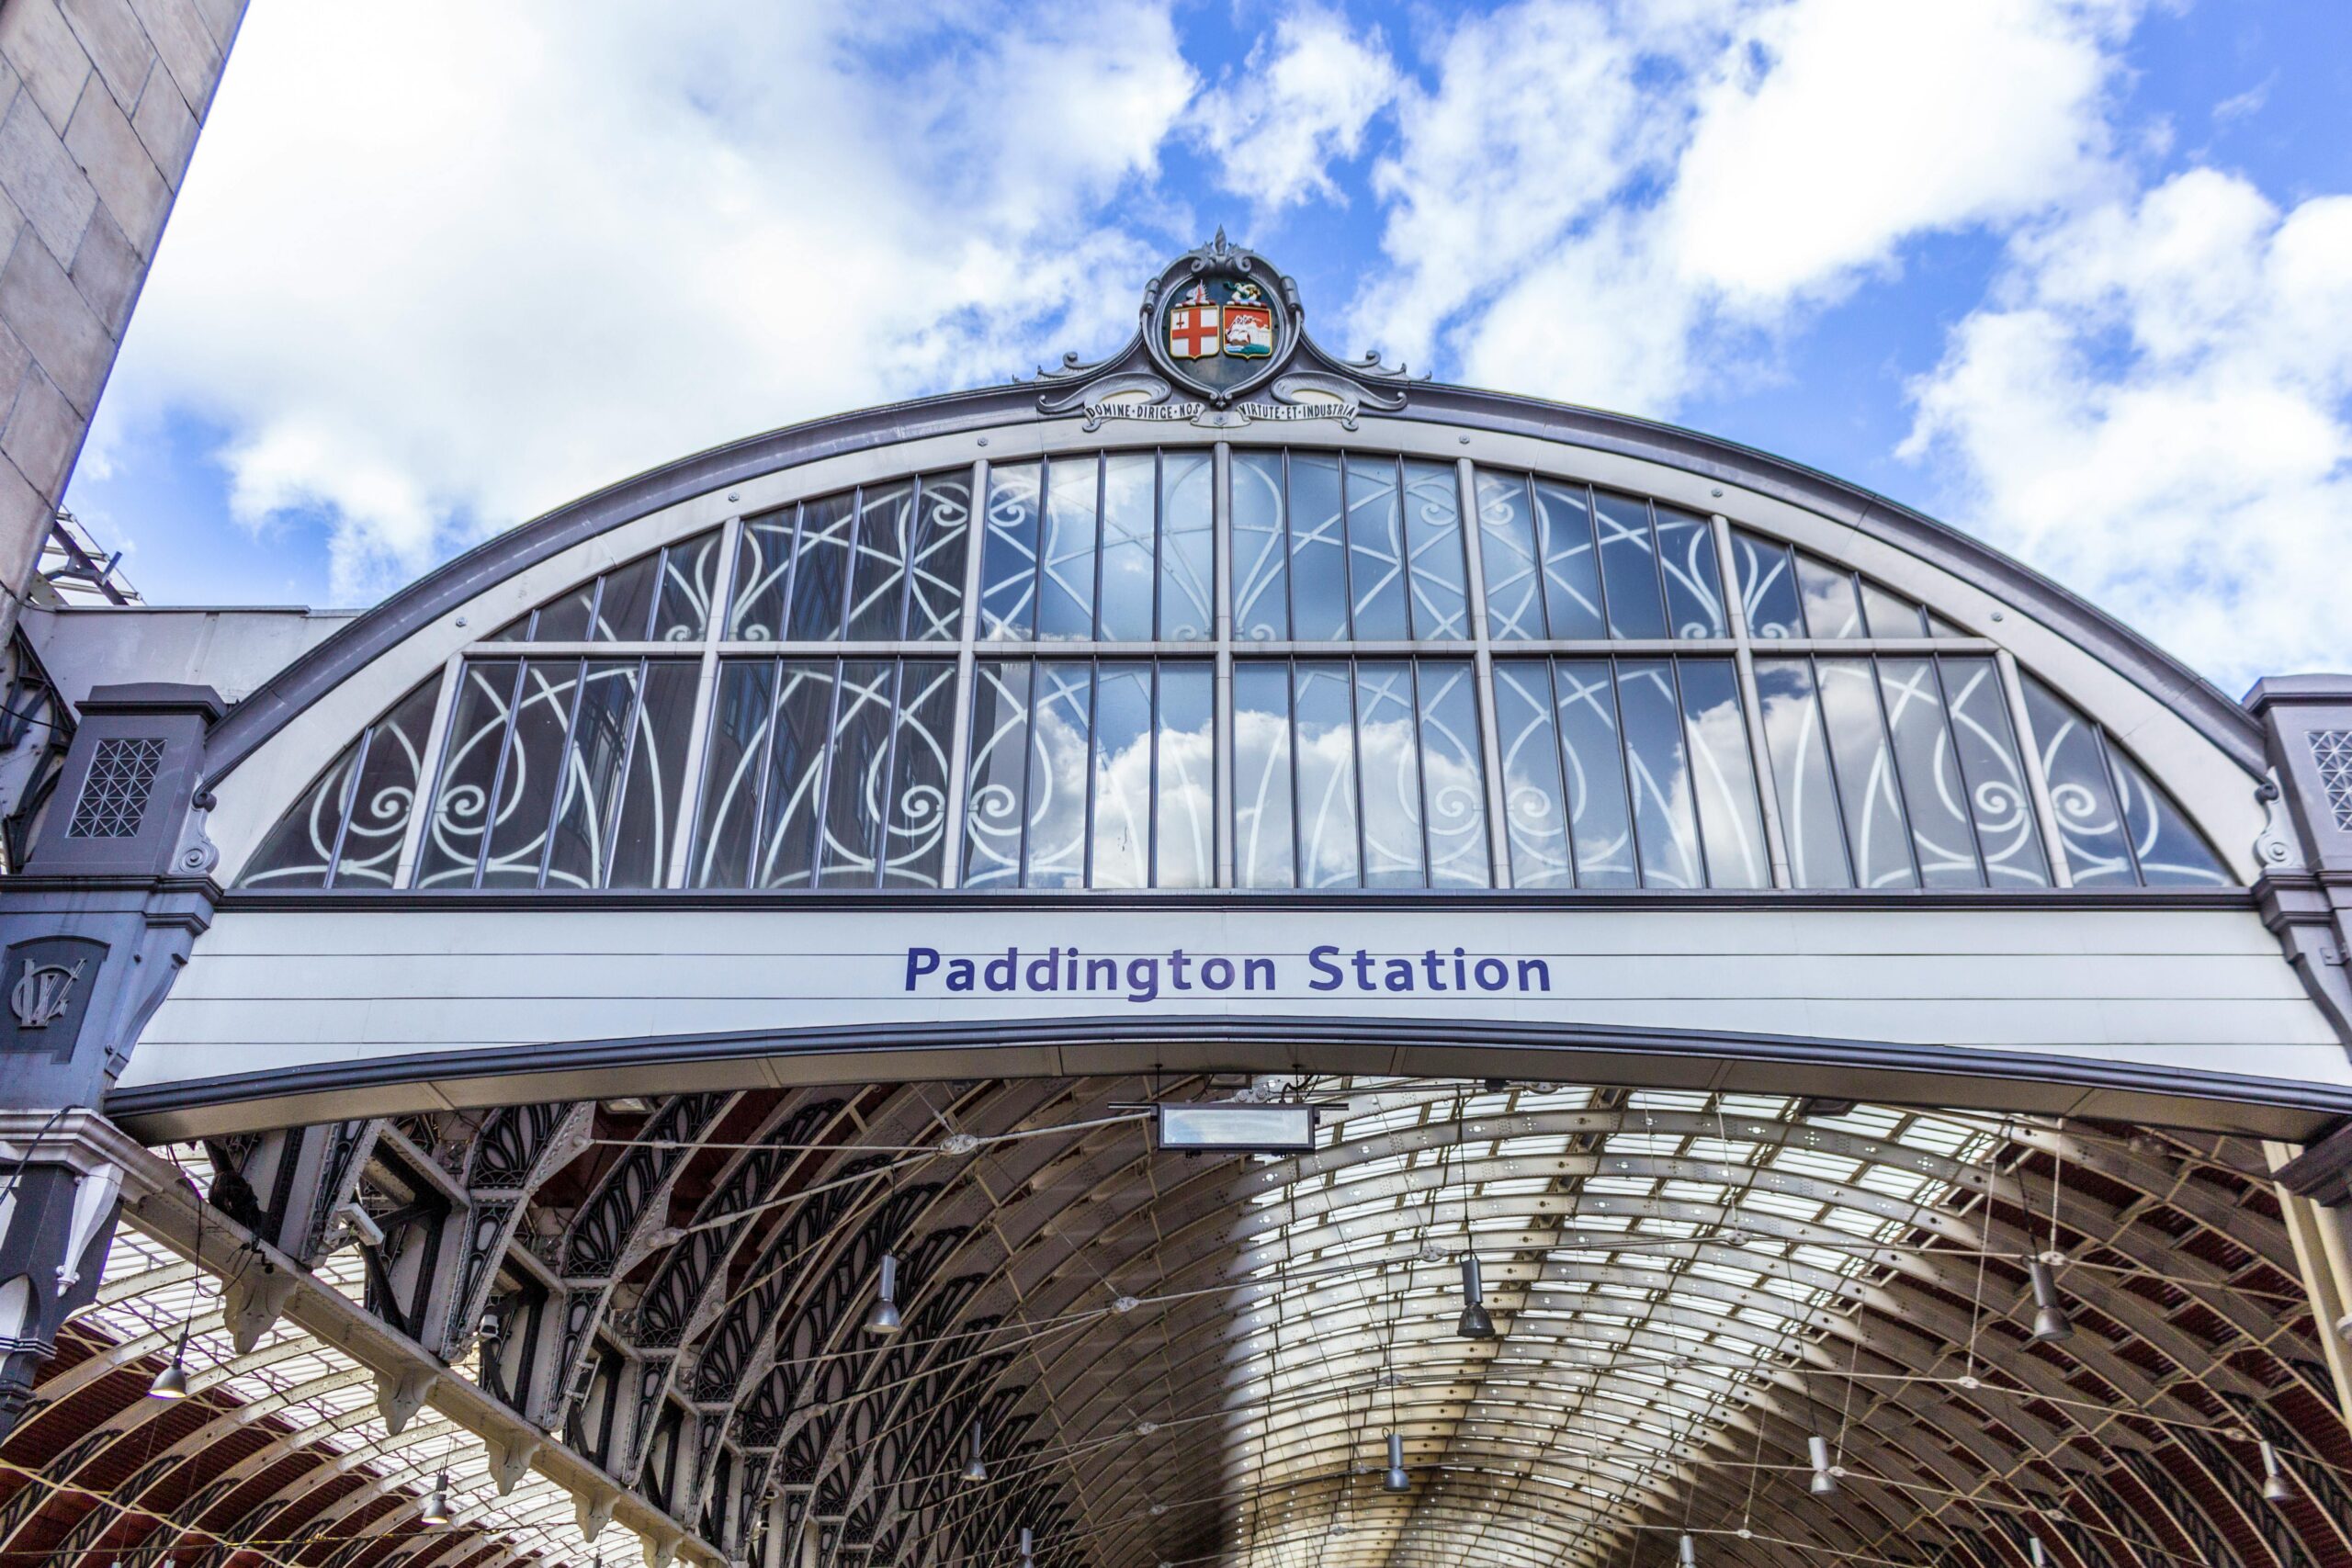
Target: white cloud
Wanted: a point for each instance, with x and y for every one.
(2157, 409)
(1603, 205)
(1293, 108)
(441, 276)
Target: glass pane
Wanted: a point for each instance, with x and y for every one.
(300, 849)
(1066, 586)
(2171, 853)
(1534, 805)
(1434, 540)
(914, 850)
(935, 567)
(2082, 794)
(1507, 553)
(592, 774)
(792, 796)
(1261, 591)
(1129, 573)
(994, 800)
(1323, 700)
(689, 573)
(733, 773)
(762, 575)
(821, 569)
(1009, 562)
(650, 801)
(1571, 565)
(1891, 614)
(1453, 777)
(1261, 775)
(1122, 806)
(528, 773)
(1810, 825)
(1376, 550)
(1389, 752)
(1933, 793)
(517, 630)
(1318, 561)
(1187, 548)
(1629, 569)
(388, 779)
(1668, 830)
(1723, 777)
(1830, 608)
(2000, 802)
(469, 766)
(1059, 724)
(1601, 823)
(1185, 843)
(1877, 838)
(877, 581)
(1694, 592)
(627, 605)
(1767, 586)
(856, 792)
(567, 619)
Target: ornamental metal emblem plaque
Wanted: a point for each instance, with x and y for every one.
(49, 981)
(1219, 321)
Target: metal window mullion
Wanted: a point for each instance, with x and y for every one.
(959, 722)
(828, 762)
(1421, 769)
(1625, 764)
(895, 682)
(1355, 769)
(343, 817)
(903, 623)
(1028, 744)
(2106, 750)
(1767, 790)
(562, 768)
(1151, 776)
(698, 743)
(1473, 570)
(1297, 817)
(1348, 561)
(1221, 590)
(2045, 811)
(428, 768)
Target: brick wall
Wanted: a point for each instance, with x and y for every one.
(100, 101)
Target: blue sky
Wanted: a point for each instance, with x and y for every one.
(2076, 275)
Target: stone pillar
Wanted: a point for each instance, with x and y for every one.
(112, 897)
(100, 102)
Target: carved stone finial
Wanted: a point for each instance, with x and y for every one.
(1219, 246)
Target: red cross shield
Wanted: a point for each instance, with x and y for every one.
(1194, 332)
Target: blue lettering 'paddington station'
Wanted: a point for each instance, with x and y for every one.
(1148, 978)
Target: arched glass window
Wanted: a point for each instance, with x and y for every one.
(1092, 669)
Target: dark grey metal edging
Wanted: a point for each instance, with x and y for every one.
(922, 1039)
(388, 900)
(311, 676)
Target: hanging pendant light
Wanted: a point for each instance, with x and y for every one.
(172, 1381)
(1824, 1483)
(976, 1467)
(2050, 1324)
(1027, 1561)
(2041, 1558)
(1474, 1324)
(2274, 1477)
(884, 1318)
(436, 1508)
(1396, 1480)
(1687, 1553)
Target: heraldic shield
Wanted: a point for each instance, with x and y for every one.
(1221, 324)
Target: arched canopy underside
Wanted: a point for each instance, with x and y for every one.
(1176, 1361)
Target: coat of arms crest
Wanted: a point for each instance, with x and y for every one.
(1221, 324)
